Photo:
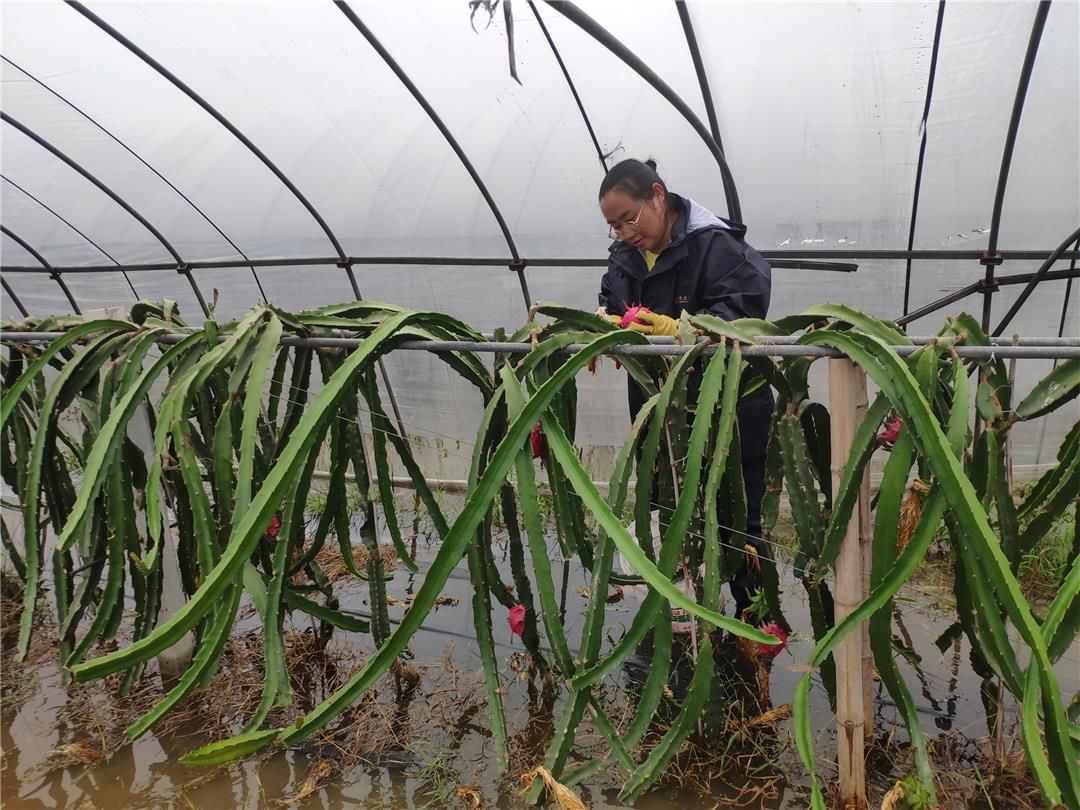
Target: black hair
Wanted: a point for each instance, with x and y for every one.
(635, 178)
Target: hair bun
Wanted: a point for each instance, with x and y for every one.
(651, 164)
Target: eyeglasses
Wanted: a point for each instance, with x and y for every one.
(615, 232)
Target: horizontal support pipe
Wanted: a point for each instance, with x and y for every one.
(1053, 350)
(763, 340)
(779, 258)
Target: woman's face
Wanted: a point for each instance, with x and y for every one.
(637, 222)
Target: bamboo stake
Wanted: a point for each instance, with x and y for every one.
(845, 382)
(866, 535)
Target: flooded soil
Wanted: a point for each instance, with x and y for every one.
(420, 739)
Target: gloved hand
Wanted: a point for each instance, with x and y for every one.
(653, 323)
(615, 319)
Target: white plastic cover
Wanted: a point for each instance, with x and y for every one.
(819, 105)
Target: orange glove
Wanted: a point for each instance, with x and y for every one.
(653, 323)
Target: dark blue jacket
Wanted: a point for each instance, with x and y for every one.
(707, 267)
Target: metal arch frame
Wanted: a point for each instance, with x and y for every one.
(181, 267)
(571, 85)
(90, 241)
(14, 298)
(53, 273)
(213, 112)
(571, 11)
(991, 259)
(517, 265)
(258, 153)
(141, 160)
(706, 93)
(605, 38)
(922, 149)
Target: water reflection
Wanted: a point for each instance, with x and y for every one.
(446, 714)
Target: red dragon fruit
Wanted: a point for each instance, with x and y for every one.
(274, 527)
(631, 316)
(516, 619)
(537, 441)
(891, 433)
(773, 650)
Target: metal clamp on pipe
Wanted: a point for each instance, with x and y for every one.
(183, 268)
(517, 265)
(988, 259)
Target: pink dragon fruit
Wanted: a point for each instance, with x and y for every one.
(773, 650)
(274, 527)
(516, 619)
(631, 316)
(891, 433)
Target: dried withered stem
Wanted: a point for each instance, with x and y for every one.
(563, 797)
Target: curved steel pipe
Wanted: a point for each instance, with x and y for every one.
(516, 265)
(14, 298)
(922, 150)
(1068, 295)
(977, 286)
(108, 192)
(605, 38)
(570, 84)
(1007, 152)
(141, 160)
(221, 119)
(90, 241)
(181, 267)
(706, 93)
(213, 112)
(53, 273)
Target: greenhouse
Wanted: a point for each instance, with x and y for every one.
(320, 485)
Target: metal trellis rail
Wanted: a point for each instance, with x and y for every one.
(785, 346)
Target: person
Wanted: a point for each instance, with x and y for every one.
(670, 254)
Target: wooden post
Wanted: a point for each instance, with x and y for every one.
(845, 382)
